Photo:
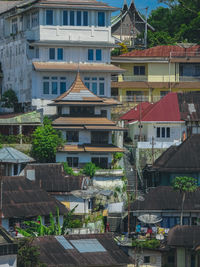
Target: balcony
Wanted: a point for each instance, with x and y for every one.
(189, 78)
(137, 98)
(137, 78)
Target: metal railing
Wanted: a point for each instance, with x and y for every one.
(137, 78)
(189, 78)
(137, 98)
(184, 54)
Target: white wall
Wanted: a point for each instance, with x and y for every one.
(8, 261)
(73, 201)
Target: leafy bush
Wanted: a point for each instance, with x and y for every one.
(90, 169)
(152, 244)
(9, 99)
(67, 169)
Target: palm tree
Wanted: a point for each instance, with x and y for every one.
(184, 185)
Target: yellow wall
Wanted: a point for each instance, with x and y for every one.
(161, 72)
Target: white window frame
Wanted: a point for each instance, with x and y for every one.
(52, 79)
(88, 80)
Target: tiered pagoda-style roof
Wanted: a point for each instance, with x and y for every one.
(79, 95)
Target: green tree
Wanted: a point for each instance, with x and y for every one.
(45, 143)
(90, 169)
(116, 158)
(184, 185)
(9, 99)
(28, 254)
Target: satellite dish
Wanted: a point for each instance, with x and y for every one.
(140, 198)
(149, 218)
(159, 237)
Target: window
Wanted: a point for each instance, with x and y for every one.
(72, 18)
(72, 136)
(78, 18)
(139, 70)
(72, 162)
(46, 85)
(146, 259)
(56, 54)
(137, 96)
(63, 86)
(49, 17)
(94, 54)
(100, 138)
(163, 132)
(163, 93)
(101, 162)
(104, 113)
(14, 26)
(35, 19)
(98, 54)
(54, 85)
(60, 53)
(95, 84)
(90, 54)
(85, 18)
(52, 53)
(84, 111)
(37, 52)
(65, 17)
(101, 19)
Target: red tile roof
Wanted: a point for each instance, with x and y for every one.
(162, 51)
(165, 110)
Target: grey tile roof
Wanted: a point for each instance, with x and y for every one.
(11, 155)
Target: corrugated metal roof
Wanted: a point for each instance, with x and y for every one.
(165, 110)
(162, 51)
(88, 245)
(12, 155)
(90, 148)
(82, 121)
(29, 118)
(53, 254)
(6, 5)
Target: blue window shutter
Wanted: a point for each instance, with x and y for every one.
(60, 53)
(98, 55)
(65, 17)
(101, 19)
(62, 87)
(49, 17)
(45, 88)
(52, 53)
(90, 54)
(85, 18)
(72, 18)
(78, 18)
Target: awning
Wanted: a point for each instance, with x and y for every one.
(72, 67)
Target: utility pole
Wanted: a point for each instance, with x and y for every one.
(145, 32)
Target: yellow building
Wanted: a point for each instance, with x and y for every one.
(152, 73)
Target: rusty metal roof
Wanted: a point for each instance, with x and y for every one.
(54, 254)
(23, 199)
(82, 121)
(90, 148)
(52, 178)
(182, 158)
(163, 198)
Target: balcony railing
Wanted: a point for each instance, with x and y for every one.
(189, 78)
(137, 99)
(136, 78)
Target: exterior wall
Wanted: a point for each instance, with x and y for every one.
(107, 182)
(181, 260)
(71, 201)
(149, 130)
(8, 261)
(84, 137)
(155, 257)
(83, 157)
(161, 72)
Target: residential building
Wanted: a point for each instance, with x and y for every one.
(129, 25)
(13, 161)
(84, 119)
(165, 203)
(183, 242)
(81, 250)
(61, 186)
(166, 122)
(182, 160)
(8, 250)
(23, 200)
(44, 43)
(160, 122)
(20, 123)
(152, 73)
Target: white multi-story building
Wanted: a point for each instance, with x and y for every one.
(44, 42)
